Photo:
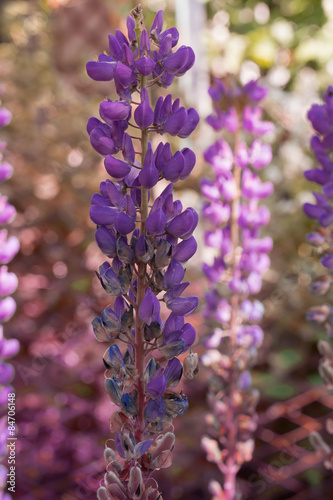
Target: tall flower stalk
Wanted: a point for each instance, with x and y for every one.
(148, 242)
(9, 247)
(235, 216)
(321, 118)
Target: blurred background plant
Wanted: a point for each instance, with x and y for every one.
(61, 408)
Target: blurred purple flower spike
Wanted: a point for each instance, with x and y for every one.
(235, 217)
(9, 246)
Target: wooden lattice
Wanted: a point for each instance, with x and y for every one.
(284, 464)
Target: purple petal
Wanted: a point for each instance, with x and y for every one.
(8, 281)
(254, 91)
(145, 65)
(124, 224)
(185, 250)
(191, 123)
(172, 349)
(114, 48)
(210, 190)
(6, 373)
(313, 211)
(190, 160)
(183, 306)
(100, 332)
(6, 171)
(10, 348)
(317, 175)
(124, 75)
(7, 309)
(103, 216)
(170, 32)
(183, 225)
(175, 292)
(7, 211)
(115, 110)
(149, 176)
(175, 122)
(155, 410)
(144, 42)
(101, 71)
(156, 387)
(119, 446)
(8, 248)
(116, 168)
(174, 62)
(149, 309)
(141, 448)
(173, 372)
(128, 149)
(158, 22)
(174, 167)
(5, 117)
(130, 23)
(128, 403)
(188, 335)
(189, 63)
(155, 223)
(173, 275)
(103, 144)
(165, 47)
(144, 115)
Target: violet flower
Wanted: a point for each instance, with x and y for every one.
(321, 118)
(148, 242)
(235, 216)
(8, 284)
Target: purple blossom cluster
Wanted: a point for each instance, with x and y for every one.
(235, 216)
(321, 118)
(147, 242)
(9, 246)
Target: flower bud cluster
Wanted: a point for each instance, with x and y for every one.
(235, 216)
(9, 246)
(147, 243)
(321, 118)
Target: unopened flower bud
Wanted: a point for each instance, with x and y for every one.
(326, 373)
(191, 364)
(102, 494)
(318, 314)
(325, 349)
(321, 285)
(135, 483)
(163, 254)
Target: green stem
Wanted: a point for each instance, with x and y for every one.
(231, 466)
(141, 289)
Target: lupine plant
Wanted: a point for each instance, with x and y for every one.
(321, 118)
(235, 216)
(9, 246)
(148, 242)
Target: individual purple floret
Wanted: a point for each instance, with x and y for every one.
(235, 216)
(8, 284)
(321, 118)
(148, 242)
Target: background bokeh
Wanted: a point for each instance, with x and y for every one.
(62, 412)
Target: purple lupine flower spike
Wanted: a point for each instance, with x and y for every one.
(235, 216)
(9, 247)
(146, 270)
(321, 118)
